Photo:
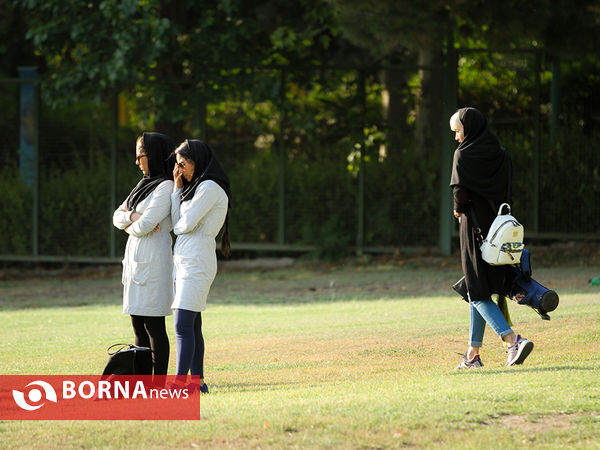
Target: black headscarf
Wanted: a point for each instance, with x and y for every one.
(480, 163)
(159, 148)
(206, 167)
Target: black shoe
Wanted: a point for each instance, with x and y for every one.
(193, 387)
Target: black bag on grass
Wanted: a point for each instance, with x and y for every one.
(128, 360)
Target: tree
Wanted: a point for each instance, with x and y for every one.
(400, 32)
(173, 55)
(15, 49)
(567, 26)
(397, 30)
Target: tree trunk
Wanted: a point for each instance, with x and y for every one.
(429, 103)
(172, 129)
(396, 109)
(198, 119)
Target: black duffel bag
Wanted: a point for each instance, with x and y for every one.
(128, 360)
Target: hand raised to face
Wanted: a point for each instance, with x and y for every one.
(177, 176)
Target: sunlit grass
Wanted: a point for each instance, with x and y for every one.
(349, 357)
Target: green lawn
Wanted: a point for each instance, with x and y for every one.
(354, 356)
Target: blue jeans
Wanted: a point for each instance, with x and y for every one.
(482, 312)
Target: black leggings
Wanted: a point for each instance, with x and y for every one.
(151, 332)
(190, 343)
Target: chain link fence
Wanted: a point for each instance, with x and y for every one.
(311, 170)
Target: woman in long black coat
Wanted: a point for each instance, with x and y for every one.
(481, 174)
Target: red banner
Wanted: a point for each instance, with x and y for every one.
(91, 397)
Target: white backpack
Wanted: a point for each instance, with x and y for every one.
(504, 241)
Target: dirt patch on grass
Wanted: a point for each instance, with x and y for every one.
(542, 424)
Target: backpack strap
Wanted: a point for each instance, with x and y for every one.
(508, 192)
(476, 227)
(121, 348)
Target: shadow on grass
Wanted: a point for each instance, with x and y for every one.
(42, 294)
(224, 388)
(51, 303)
(44, 302)
(484, 372)
(72, 300)
(281, 287)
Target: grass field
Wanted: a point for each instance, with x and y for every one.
(354, 356)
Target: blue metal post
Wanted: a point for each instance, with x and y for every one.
(29, 143)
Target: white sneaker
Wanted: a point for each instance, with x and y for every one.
(519, 351)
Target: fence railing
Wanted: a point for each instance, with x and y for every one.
(352, 204)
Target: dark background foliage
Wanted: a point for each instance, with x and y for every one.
(304, 87)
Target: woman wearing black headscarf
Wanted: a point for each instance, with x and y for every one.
(481, 177)
(148, 262)
(200, 206)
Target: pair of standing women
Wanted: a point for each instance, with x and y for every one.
(185, 191)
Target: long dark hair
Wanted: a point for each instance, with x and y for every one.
(225, 244)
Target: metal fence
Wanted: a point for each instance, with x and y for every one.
(293, 190)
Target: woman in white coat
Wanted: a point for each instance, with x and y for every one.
(148, 263)
(199, 209)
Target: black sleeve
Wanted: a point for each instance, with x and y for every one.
(461, 198)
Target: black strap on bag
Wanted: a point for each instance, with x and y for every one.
(476, 227)
(478, 235)
(128, 359)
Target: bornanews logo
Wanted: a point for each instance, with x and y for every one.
(79, 397)
(34, 396)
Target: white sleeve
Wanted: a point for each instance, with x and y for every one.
(157, 210)
(203, 201)
(175, 204)
(121, 217)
